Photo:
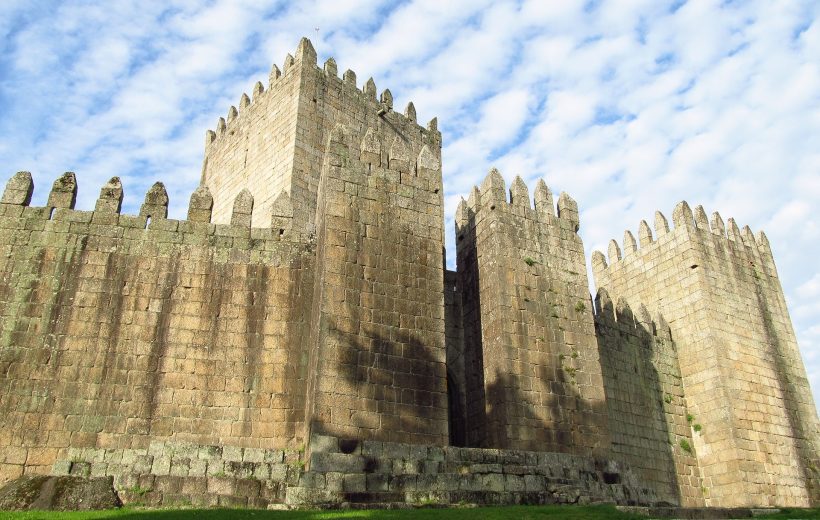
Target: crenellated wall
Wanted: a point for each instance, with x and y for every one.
(742, 374)
(275, 142)
(651, 427)
(117, 331)
(254, 146)
(532, 373)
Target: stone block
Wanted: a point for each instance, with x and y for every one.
(233, 502)
(435, 453)
(231, 454)
(240, 469)
(197, 468)
(274, 456)
(248, 488)
(80, 469)
(534, 483)
(168, 484)
(262, 472)
(337, 462)
(514, 483)
(296, 496)
(161, 465)
(195, 485)
(354, 482)
(279, 472)
(253, 455)
(142, 464)
(324, 444)
(61, 467)
(311, 479)
(376, 482)
(221, 486)
(334, 481)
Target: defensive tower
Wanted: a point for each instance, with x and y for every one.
(718, 288)
(532, 368)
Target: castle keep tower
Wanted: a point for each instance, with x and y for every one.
(274, 143)
(745, 384)
(321, 155)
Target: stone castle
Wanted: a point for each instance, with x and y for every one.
(298, 339)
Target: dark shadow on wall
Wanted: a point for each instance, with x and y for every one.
(391, 377)
(802, 433)
(540, 409)
(799, 423)
(454, 344)
(635, 399)
(455, 412)
(475, 416)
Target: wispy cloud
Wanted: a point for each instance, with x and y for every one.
(629, 106)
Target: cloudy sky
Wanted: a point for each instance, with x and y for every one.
(628, 105)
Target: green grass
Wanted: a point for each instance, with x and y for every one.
(793, 514)
(490, 513)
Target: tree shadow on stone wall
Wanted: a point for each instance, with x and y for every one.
(396, 376)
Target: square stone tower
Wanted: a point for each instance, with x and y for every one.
(532, 369)
(274, 144)
(744, 381)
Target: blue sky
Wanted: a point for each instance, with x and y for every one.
(628, 105)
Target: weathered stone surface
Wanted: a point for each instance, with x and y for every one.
(19, 189)
(694, 406)
(62, 493)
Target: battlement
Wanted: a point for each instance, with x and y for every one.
(622, 317)
(305, 56)
(275, 140)
(493, 196)
(717, 286)
(689, 226)
(196, 229)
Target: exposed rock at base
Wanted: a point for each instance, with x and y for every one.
(59, 494)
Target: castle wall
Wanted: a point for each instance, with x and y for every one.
(297, 339)
(743, 377)
(115, 334)
(378, 350)
(533, 371)
(646, 401)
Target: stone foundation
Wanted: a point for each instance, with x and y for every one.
(342, 473)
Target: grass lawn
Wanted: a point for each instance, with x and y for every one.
(488, 513)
